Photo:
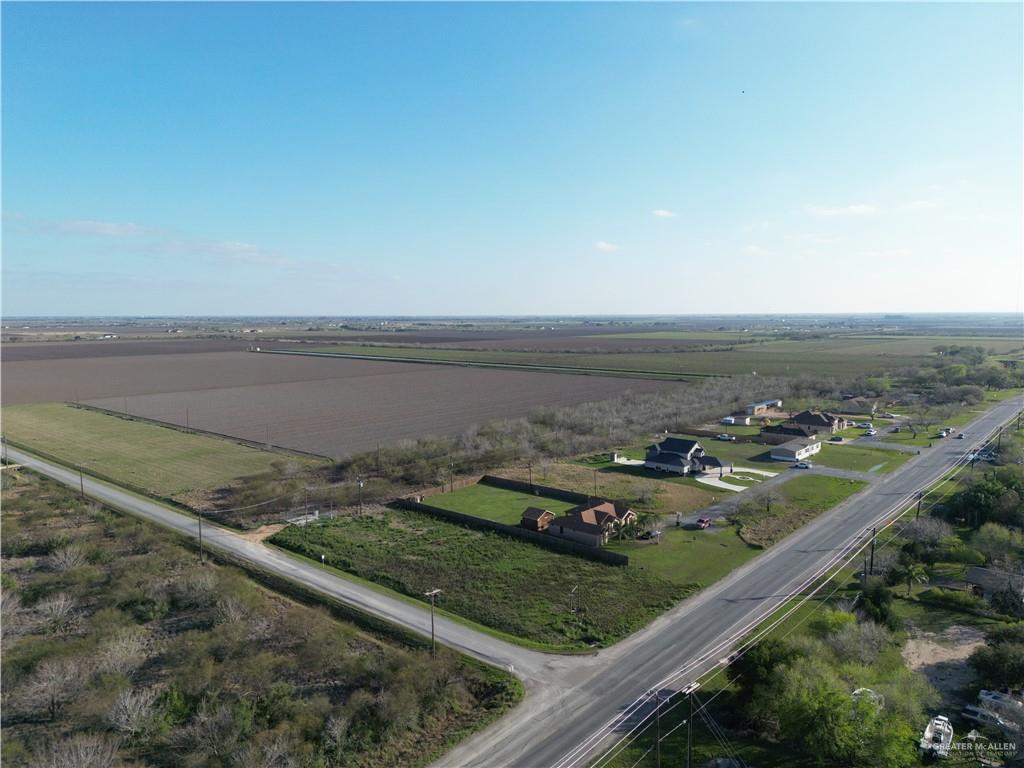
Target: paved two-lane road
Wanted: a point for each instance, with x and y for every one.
(584, 695)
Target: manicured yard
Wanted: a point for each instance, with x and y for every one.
(497, 504)
(642, 488)
(818, 492)
(860, 459)
(503, 583)
(163, 461)
(689, 556)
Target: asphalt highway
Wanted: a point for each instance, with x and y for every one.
(577, 705)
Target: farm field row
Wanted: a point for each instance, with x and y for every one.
(838, 356)
(165, 462)
(321, 405)
(370, 404)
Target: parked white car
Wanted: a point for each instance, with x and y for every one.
(805, 465)
(726, 438)
(866, 425)
(871, 432)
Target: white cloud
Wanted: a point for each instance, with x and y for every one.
(856, 209)
(605, 246)
(922, 205)
(754, 250)
(663, 213)
(102, 228)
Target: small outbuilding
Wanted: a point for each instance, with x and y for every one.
(536, 519)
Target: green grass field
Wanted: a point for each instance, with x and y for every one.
(497, 504)
(689, 557)
(860, 459)
(816, 493)
(503, 583)
(165, 462)
(801, 499)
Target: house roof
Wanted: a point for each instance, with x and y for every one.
(795, 444)
(582, 523)
(710, 461)
(536, 513)
(678, 445)
(816, 418)
(801, 430)
(614, 509)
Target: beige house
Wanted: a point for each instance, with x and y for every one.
(797, 449)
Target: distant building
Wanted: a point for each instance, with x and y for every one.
(762, 407)
(676, 455)
(860, 406)
(742, 420)
(820, 421)
(797, 449)
(536, 519)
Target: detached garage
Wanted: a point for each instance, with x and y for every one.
(796, 450)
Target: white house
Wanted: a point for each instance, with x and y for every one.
(795, 450)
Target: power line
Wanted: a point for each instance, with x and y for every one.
(628, 738)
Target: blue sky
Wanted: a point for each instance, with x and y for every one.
(190, 158)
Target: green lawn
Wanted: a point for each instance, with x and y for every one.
(497, 504)
(163, 461)
(509, 585)
(799, 500)
(860, 459)
(689, 556)
(818, 492)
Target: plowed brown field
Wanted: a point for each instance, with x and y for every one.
(322, 405)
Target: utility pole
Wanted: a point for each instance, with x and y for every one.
(433, 643)
(200, 514)
(920, 498)
(574, 599)
(451, 474)
(874, 533)
(657, 720)
(999, 440)
(359, 482)
(689, 691)
(81, 482)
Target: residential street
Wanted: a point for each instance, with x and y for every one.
(573, 703)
